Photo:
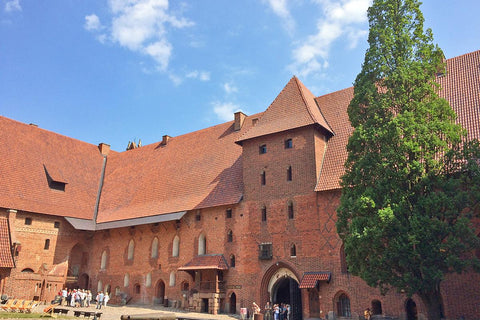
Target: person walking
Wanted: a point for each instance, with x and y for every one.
(100, 297)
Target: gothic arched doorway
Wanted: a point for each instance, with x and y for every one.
(233, 303)
(280, 285)
(411, 309)
(160, 291)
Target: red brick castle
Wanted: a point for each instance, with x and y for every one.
(212, 220)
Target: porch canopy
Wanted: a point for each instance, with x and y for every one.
(312, 278)
(205, 262)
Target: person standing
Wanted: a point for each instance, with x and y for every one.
(89, 298)
(100, 297)
(64, 296)
(268, 311)
(105, 299)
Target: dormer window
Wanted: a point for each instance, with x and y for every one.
(262, 149)
(55, 178)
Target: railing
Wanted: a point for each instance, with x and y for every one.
(211, 286)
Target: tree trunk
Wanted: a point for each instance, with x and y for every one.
(433, 303)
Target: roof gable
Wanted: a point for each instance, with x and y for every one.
(294, 107)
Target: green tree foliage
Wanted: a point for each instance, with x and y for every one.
(411, 186)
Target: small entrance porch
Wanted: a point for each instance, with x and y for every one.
(209, 288)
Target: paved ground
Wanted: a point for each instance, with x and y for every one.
(115, 312)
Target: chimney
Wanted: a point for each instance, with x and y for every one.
(239, 119)
(165, 139)
(104, 149)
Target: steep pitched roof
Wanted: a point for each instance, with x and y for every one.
(31, 155)
(460, 86)
(193, 171)
(6, 259)
(294, 107)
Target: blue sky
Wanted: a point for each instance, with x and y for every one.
(116, 71)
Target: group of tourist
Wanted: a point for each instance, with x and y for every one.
(83, 298)
(280, 311)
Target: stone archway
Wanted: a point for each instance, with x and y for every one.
(280, 285)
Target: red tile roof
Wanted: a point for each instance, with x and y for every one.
(6, 259)
(204, 262)
(310, 279)
(27, 152)
(193, 171)
(294, 107)
(460, 86)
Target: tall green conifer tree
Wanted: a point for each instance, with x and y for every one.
(411, 186)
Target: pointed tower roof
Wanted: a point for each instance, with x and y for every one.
(294, 107)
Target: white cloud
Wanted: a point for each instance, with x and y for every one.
(13, 5)
(229, 88)
(141, 26)
(280, 8)
(92, 22)
(200, 75)
(225, 110)
(339, 18)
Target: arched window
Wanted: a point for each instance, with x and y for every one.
(263, 178)
(27, 270)
(103, 261)
(99, 286)
(290, 210)
(172, 279)
(343, 306)
(148, 280)
(202, 244)
(289, 173)
(232, 261)
(131, 249)
(154, 253)
(47, 244)
(126, 280)
(176, 246)
(264, 213)
(293, 250)
(230, 236)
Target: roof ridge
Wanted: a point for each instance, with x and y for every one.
(301, 88)
(297, 81)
